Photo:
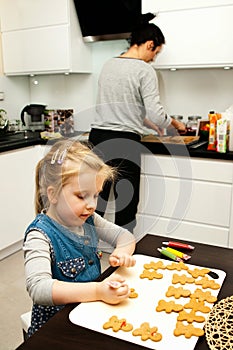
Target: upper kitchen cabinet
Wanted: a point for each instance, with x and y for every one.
(42, 37)
(167, 5)
(196, 38)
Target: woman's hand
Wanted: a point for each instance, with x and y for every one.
(179, 126)
(112, 290)
(122, 260)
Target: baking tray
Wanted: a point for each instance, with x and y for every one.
(93, 315)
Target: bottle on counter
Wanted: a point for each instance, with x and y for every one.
(213, 117)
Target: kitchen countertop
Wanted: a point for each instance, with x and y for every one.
(15, 141)
(186, 151)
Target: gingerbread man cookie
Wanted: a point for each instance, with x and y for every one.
(190, 317)
(207, 283)
(198, 272)
(151, 274)
(203, 296)
(154, 265)
(177, 266)
(197, 305)
(177, 292)
(188, 331)
(118, 324)
(146, 332)
(182, 279)
(168, 306)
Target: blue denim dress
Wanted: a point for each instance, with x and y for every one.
(74, 258)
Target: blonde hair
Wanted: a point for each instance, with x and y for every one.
(63, 161)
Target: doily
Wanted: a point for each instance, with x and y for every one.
(219, 325)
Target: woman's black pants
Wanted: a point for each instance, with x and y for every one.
(120, 150)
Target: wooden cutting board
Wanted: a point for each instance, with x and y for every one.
(178, 140)
(93, 315)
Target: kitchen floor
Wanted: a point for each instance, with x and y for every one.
(14, 299)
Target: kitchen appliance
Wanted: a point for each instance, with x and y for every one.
(109, 20)
(32, 117)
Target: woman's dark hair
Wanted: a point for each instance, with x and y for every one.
(146, 32)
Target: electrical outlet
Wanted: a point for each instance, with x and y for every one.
(1, 96)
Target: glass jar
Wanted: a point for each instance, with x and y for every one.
(177, 117)
(192, 125)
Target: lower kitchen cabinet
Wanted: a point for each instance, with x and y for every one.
(180, 197)
(17, 196)
(187, 198)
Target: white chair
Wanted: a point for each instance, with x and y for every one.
(25, 322)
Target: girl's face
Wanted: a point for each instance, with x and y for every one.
(77, 199)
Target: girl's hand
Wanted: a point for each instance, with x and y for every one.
(122, 260)
(112, 290)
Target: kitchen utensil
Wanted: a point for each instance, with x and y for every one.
(177, 140)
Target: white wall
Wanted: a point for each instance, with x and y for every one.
(64, 91)
(185, 92)
(16, 95)
(196, 91)
(77, 91)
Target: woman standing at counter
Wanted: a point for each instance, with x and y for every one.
(62, 260)
(128, 98)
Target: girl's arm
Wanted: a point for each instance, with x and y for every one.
(65, 292)
(45, 290)
(123, 241)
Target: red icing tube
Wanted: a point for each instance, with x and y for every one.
(178, 245)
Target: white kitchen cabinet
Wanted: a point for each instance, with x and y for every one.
(24, 14)
(17, 196)
(170, 5)
(195, 38)
(187, 198)
(52, 43)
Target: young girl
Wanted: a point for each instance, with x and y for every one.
(61, 243)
